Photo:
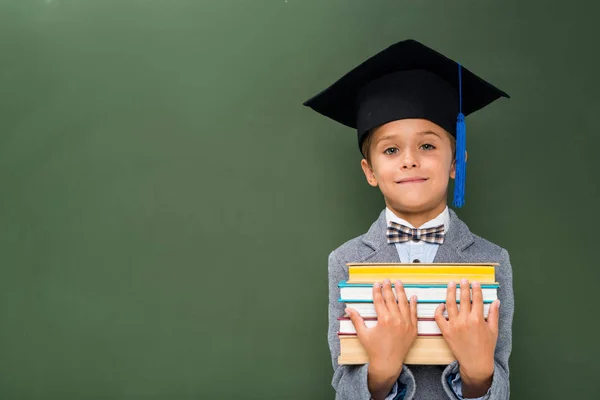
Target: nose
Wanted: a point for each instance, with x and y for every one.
(408, 160)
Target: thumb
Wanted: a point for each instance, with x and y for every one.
(357, 321)
(493, 317)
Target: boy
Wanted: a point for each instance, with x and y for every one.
(404, 103)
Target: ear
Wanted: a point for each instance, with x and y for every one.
(453, 166)
(369, 174)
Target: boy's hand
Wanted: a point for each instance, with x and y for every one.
(470, 337)
(388, 342)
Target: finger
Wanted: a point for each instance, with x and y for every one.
(390, 300)
(494, 316)
(440, 319)
(402, 301)
(451, 301)
(357, 321)
(477, 306)
(465, 297)
(380, 307)
(413, 310)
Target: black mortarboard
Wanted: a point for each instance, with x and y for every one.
(408, 80)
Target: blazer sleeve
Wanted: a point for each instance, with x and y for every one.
(500, 389)
(350, 381)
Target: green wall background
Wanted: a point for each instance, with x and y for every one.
(168, 205)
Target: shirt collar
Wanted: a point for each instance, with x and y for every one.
(442, 219)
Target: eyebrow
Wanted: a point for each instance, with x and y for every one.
(429, 133)
(381, 139)
(422, 133)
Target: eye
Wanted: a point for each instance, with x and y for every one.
(428, 146)
(390, 150)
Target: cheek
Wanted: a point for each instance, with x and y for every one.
(433, 163)
(442, 164)
(385, 172)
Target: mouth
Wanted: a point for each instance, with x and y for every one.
(412, 180)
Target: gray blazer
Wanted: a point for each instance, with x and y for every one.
(423, 382)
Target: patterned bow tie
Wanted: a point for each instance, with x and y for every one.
(397, 233)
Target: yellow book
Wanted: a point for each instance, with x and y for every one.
(421, 273)
(426, 350)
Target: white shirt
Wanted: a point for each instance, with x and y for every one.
(420, 251)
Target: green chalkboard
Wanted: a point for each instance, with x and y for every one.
(167, 204)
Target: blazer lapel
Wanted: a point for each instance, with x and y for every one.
(457, 239)
(375, 238)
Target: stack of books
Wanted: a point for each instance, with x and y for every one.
(429, 283)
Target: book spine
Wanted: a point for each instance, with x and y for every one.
(426, 350)
(432, 278)
(425, 326)
(418, 301)
(344, 284)
(367, 310)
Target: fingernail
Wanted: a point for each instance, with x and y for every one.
(346, 310)
(475, 284)
(452, 283)
(376, 285)
(386, 281)
(399, 283)
(463, 281)
(498, 303)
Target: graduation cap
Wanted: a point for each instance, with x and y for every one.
(408, 80)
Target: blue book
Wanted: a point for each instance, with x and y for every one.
(426, 293)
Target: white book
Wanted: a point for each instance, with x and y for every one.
(424, 310)
(425, 327)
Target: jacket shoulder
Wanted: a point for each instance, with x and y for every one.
(351, 250)
(485, 248)
(360, 247)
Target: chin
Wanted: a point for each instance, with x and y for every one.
(416, 209)
(413, 204)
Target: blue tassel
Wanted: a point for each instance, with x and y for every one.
(461, 164)
(461, 148)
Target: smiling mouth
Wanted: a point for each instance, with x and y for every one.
(413, 180)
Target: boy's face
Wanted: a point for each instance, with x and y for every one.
(411, 162)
